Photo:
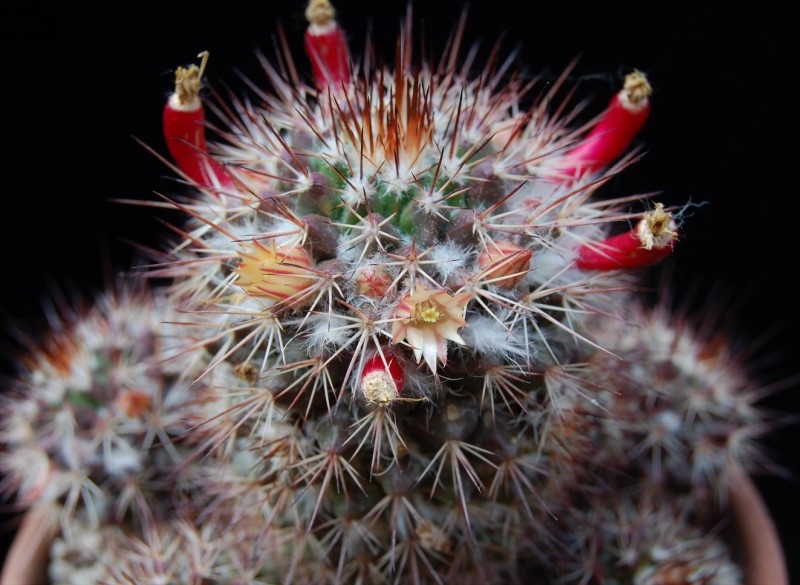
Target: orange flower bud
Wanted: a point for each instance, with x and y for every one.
(373, 282)
(134, 403)
(505, 263)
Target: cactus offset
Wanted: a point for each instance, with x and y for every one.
(400, 343)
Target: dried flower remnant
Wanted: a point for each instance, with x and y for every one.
(381, 380)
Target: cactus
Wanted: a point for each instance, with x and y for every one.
(399, 342)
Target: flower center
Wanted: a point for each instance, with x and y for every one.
(426, 312)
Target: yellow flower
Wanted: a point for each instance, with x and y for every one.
(280, 273)
(425, 319)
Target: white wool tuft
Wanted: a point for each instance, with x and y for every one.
(449, 258)
(487, 336)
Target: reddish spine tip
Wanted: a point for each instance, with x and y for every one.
(326, 45)
(622, 120)
(184, 127)
(652, 240)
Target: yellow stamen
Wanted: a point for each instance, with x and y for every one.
(426, 312)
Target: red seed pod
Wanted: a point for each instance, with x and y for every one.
(326, 46)
(184, 127)
(652, 239)
(627, 112)
(381, 379)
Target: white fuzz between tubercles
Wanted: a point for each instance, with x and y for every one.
(326, 331)
(485, 335)
(449, 258)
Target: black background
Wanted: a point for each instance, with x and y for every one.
(80, 81)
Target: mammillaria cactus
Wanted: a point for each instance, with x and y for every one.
(396, 339)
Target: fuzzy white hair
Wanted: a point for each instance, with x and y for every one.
(485, 335)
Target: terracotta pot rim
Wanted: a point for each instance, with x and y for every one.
(758, 547)
(26, 561)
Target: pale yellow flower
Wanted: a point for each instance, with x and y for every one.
(280, 273)
(426, 319)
